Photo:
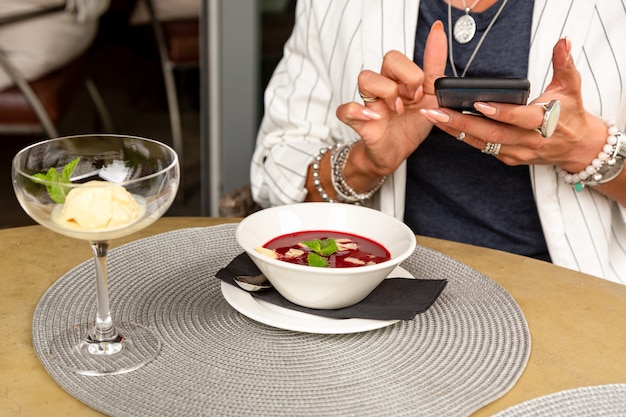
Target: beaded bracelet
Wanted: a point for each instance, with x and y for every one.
(337, 160)
(344, 192)
(606, 167)
(317, 182)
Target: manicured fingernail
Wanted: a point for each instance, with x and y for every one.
(435, 116)
(370, 114)
(437, 25)
(486, 109)
(568, 45)
(419, 93)
(399, 105)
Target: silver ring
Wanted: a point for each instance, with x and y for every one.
(367, 99)
(492, 148)
(550, 118)
(461, 136)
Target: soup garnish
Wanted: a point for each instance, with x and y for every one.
(326, 249)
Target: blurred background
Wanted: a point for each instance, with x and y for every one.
(163, 69)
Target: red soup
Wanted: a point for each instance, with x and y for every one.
(324, 248)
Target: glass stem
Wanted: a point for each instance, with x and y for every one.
(104, 329)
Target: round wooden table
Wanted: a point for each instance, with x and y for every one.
(577, 322)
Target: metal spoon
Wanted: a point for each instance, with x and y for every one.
(253, 283)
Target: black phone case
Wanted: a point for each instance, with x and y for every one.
(461, 93)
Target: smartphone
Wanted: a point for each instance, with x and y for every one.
(461, 93)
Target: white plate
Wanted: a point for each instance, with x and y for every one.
(284, 318)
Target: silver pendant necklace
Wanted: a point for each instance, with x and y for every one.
(480, 42)
(465, 26)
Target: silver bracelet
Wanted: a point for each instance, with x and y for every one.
(317, 182)
(337, 160)
(606, 167)
(345, 193)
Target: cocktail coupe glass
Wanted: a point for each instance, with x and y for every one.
(146, 169)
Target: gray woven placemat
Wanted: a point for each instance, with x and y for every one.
(598, 401)
(466, 351)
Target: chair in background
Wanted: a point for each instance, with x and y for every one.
(36, 107)
(178, 45)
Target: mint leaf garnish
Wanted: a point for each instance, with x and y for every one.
(324, 247)
(328, 247)
(320, 249)
(314, 245)
(57, 191)
(316, 260)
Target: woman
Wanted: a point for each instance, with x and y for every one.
(511, 197)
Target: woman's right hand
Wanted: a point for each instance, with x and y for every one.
(391, 128)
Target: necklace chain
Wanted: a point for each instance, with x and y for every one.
(468, 9)
(480, 42)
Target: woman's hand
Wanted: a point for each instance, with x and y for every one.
(391, 126)
(577, 140)
(578, 137)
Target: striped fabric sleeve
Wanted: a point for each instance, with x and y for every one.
(300, 101)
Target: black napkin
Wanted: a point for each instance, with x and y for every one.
(393, 299)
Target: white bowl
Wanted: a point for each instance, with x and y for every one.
(325, 288)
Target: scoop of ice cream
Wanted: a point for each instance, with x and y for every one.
(98, 205)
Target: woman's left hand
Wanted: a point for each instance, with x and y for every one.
(576, 141)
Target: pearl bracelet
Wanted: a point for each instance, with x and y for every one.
(344, 192)
(606, 167)
(317, 181)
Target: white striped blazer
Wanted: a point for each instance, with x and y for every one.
(334, 40)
